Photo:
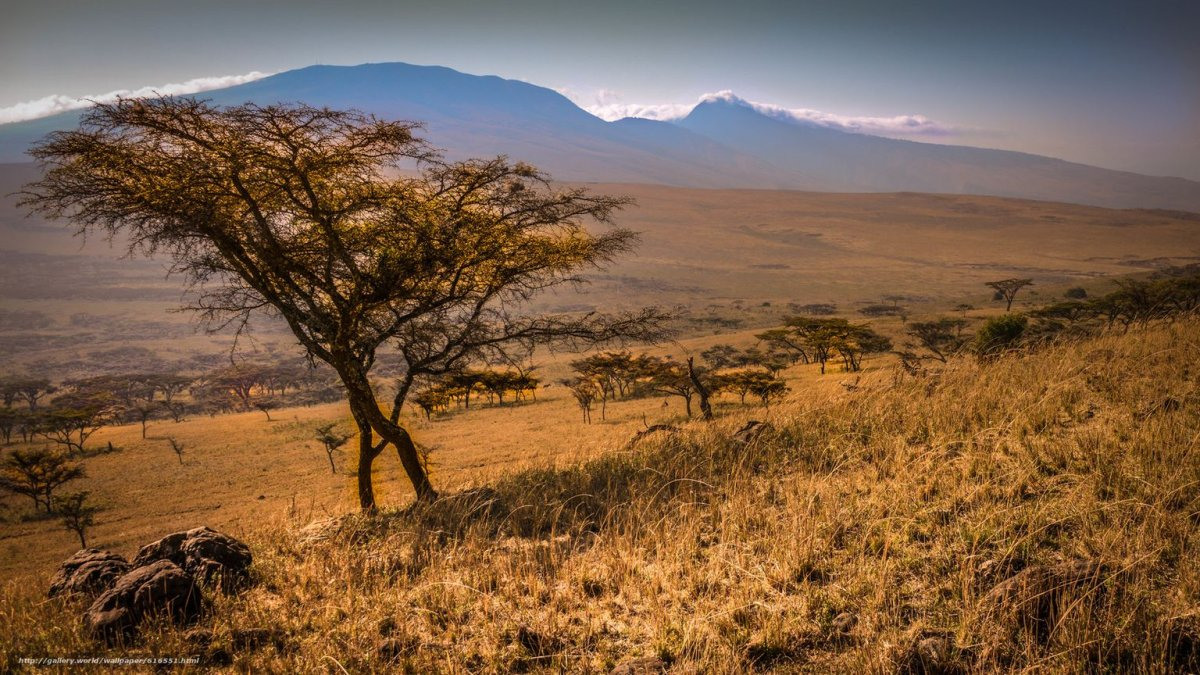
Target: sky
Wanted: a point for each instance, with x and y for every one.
(1115, 84)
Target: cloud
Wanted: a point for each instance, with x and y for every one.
(606, 104)
(51, 105)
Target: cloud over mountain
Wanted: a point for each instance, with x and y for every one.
(607, 105)
(57, 103)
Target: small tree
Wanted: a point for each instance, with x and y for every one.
(77, 515)
(265, 407)
(769, 390)
(176, 447)
(940, 338)
(1076, 293)
(37, 474)
(1006, 289)
(331, 440)
(585, 392)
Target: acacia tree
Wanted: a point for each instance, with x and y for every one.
(331, 440)
(37, 473)
(299, 212)
(1007, 289)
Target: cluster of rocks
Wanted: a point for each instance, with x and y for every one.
(164, 580)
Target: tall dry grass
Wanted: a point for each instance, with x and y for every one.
(867, 531)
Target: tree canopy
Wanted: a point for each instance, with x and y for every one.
(348, 227)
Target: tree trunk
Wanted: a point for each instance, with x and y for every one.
(702, 391)
(332, 468)
(367, 453)
(366, 411)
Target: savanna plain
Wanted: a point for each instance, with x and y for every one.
(1028, 509)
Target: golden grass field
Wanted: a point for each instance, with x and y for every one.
(866, 531)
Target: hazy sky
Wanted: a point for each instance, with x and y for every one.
(1110, 83)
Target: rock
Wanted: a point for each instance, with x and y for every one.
(159, 588)
(206, 554)
(1031, 598)
(645, 665)
(89, 572)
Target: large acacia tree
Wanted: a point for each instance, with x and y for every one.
(349, 228)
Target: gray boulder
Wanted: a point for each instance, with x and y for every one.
(159, 588)
(204, 553)
(88, 573)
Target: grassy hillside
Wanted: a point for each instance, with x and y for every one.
(868, 530)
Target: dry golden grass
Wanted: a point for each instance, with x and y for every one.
(867, 526)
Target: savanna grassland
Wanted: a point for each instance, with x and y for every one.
(720, 254)
(1033, 513)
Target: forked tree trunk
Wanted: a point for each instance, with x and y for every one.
(366, 412)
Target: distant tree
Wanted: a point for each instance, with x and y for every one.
(30, 390)
(331, 440)
(585, 392)
(37, 473)
(1006, 289)
(9, 420)
(814, 309)
(144, 411)
(963, 308)
(77, 514)
(671, 378)
(999, 334)
(1076, 293)
(295, 210)
(265, 407)
(939, 338)
(789, 341)
(882, 310)
(176, 447)
(773, 360)
(822, 338)
(430, 400)
(856, 341)
(769, 390)
(73, 417)
(723, 356)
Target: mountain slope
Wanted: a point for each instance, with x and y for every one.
(858, 162)
(721, 144)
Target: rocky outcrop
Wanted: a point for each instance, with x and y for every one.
(89, 572)
(164, 580)
(160, 588)
(206, 554)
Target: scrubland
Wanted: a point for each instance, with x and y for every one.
(1036, 513)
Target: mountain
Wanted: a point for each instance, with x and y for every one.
(722, 143)
(858, 162)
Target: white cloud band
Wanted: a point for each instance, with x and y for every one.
(52, 105)
(607, 108)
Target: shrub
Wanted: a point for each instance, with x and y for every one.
(999, 334)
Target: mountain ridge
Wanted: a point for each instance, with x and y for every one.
(723, 142)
